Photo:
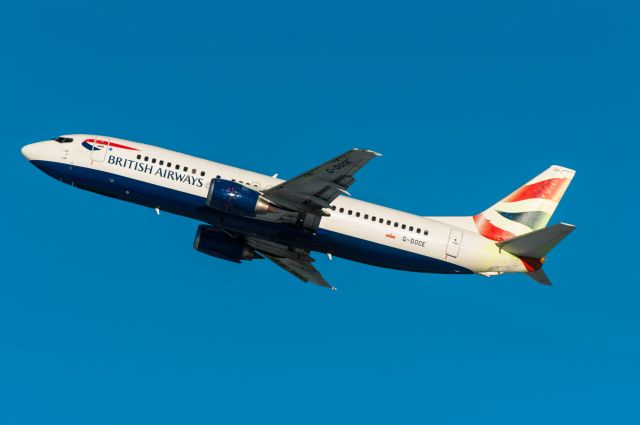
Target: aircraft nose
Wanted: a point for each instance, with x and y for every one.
(28, 150)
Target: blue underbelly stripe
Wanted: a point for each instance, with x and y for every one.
(381, 255)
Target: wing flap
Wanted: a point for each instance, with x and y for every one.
(303, 271)
(296, 261)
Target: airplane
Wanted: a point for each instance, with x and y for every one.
(249, 216)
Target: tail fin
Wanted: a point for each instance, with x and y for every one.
(527, 209)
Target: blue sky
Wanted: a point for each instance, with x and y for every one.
(107, 315)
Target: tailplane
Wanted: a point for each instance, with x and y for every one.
(537, 244)
(533, 247)
(540, 276)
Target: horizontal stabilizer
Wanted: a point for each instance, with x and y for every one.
(539, 276)
(538, 243)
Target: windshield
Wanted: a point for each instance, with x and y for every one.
(63, 139)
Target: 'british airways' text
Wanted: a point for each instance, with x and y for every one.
(155, 170)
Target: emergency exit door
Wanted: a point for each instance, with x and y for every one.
(453, 246)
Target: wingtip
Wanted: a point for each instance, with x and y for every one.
(369, 151)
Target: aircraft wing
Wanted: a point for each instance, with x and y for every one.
(315, 189)
(303, 271)
(296, 261)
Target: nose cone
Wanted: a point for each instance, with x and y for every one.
(28, 151)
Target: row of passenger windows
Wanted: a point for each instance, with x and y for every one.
(382, 221)
(169, 164)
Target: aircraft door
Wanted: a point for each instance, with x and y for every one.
(99, 151)
(453, 246)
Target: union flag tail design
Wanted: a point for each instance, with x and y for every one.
(527, 209)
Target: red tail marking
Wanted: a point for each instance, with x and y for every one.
(531, 264)
(488, 230)
(551, 189)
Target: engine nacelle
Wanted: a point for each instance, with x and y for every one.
(234, 198)
(215, 242)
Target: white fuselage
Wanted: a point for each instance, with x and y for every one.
(171, 181)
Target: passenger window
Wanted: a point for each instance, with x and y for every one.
(333, 207)
(411, 228)
(426, 232)
(418, 230)
(350, 212)
(366, 216)
(341, 210)
(404, 226)
(139, 156)
(373, 218)
(218, 176)
(388, 222)
(146, 158)
(381, 220)
(177, 167)
(168, 164)
(193, 171)
(395, 224)
(357, 214)
(161, 162)
(185, 169)
(153, 160)
(202, 173)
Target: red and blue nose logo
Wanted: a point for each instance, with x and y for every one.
(96, 145)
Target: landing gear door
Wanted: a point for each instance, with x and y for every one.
(453, 246)
(100, 148)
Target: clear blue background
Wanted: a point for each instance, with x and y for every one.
(107, 315)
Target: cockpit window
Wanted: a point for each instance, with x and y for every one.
(63, 139)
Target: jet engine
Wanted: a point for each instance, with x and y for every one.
(235, 198)
(219, 244)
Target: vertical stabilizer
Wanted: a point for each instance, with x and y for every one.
(528, 208)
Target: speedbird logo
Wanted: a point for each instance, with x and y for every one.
(97, 145)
